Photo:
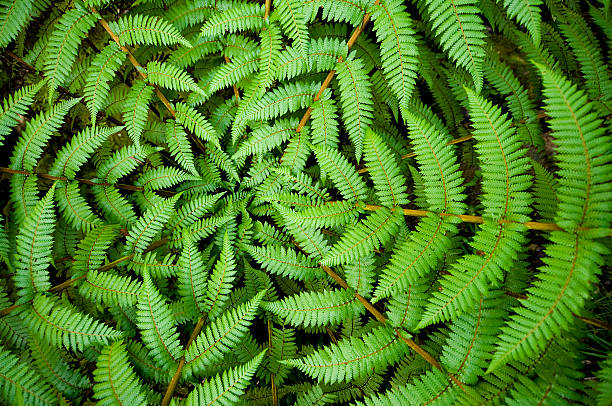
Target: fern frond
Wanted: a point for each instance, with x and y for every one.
(34, 245)
(359, 240)
(266, 138)
(170, 77)
(389, 183)
(75, 209)
(460, 31)
(583, 193)
(192, 278)
(289, 14)
(398, 50)
(18, 378)
(528, 14)
(342, 173)
(14, 15)
(195, 122)
(61, 50)
(220, 282)
(225, 389)
(139, 29)
(36, 134)
(313, 309)
(149, 225)
(269, 53)
(240, 17)
(544, 193)
(281, 100)
(356, 100)
(604, 387)
(179, 147)
(163, 177)
(114, 206)
(16, 105)
(282, 261)
(121, 163)
(325, 127)
(80, 148)
(115, 380)
(110, 289)
(157, 326)
(332, 214)
(136, 109)
(353, 358)
(61, 324)
(310, 240)
(101, 71)
(221, 336)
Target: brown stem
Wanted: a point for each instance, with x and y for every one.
(594, 322)
(236, 93)
(268, 8)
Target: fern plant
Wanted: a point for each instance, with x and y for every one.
(305, 203)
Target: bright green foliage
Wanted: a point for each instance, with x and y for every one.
(16, 378)
(353, 357)
(33, 249)
(317, 308)
(63, 45)
(225, 389)
(116, 382)
(62, 325)
(99, 74)
(141, 29)
(303, 203)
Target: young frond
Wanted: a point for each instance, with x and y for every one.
(220, 283)
(192, 278)
(179, 146)
(282, 261)
(342, 173)
(115, 380)
(325, 127)
(266, 138)
(328, 215)
(62, 325)
(195, 122)
(149, 225)
(34, 245)
(110, 289)
(389, 183)
(269, 53)
(170, 77)
(139, 29)
(75, 209)
(136, 109)
(279, 101)
(163, 177)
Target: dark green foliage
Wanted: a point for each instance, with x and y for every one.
(291, 202)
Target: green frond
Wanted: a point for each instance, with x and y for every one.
(383, 168)
(290, 15)
(158, 327)
(17, 378)
(582, 145)
(604, 386)
(186, 55)
(528, 14)
(60, 324)
(195, 122)
(271, 42)
(353, 358)
(398, 50)
(179, 146)
(34, 245)
(115, 207)
(242, 16)
(282, 261)
(192, 210)
(158, 268)
(192, 278)
(99, 75)
(266, 138)
(36, 134)
(74, 207)
(344, 176)
(220, 283)
(110, 289)
(79, 150)
(16, 105)
(290, 97)
(170, 77)
(359, 240)
(225, 389)
(325, 127)
(314, 309)
(54, 367)
(297, 152)
(356, 100)
(460, 31)
(351, 13)
(163, 177)
(120, 163)
(329, 215)
(14, 15)
(139, 29)
(149, 225)
(233, 72)
(544, 193)
(61, 50)
(115, 380)
(310, 240)
(136, 109)
(221, 336)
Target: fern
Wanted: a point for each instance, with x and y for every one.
(138, 29)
